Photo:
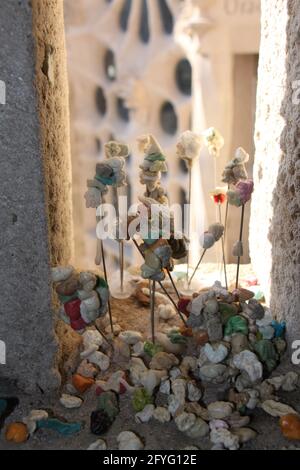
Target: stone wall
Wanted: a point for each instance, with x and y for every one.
(275, 221)
(35, 198)
(119, 86)
(104, 42)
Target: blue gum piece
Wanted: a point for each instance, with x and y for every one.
(66, 429)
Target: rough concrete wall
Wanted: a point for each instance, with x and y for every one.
(275, 222)
(34, 177)
(51, 80)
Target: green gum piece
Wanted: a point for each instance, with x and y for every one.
(152, 349)
(67, 298)
(108, 402)
(141, 398)
(154, 157)
(227, 311)
(177, 338)
(106, 181)
(266, 351)
(101, 282)
(66, 429)
(236, 324)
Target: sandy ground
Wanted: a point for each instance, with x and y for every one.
(130, 315)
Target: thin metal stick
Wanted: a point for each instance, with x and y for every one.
(104, 336)
(163, 288)
(100, 256)
(189, 218)
(121, 242)
(200, 261)
(137, 246)
(240, 240)
(100, 250)
(121, 255)
(223, 248)
(226, 218)
(173, 284)
(215, 173)
(173, 302)
(106, 280)
(152, 310)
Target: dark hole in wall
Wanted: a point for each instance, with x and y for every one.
(110, 65)
(123, 111)
(183, 77)
(166, 17)
(101, 101)
(144, 23)
(125, 14)
(168, 118)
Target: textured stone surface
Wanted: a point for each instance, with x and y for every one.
(224, 88)
(275, 232)
(32, 153)
(53, 103)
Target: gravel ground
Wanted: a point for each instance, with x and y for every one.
(156, 436)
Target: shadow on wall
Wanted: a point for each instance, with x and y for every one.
(285, 227)
(244, 107)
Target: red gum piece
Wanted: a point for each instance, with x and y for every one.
(99, 391)
(220, 198)
(123, 389)
(182, 306)
(78, 325)
(72, 309)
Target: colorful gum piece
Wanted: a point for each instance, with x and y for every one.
(290, 427)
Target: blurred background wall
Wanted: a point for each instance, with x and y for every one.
(159, 66)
